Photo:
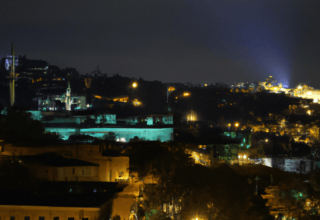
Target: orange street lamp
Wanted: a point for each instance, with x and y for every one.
(229, 125)
(134, 85)
(185, 94)
(236, 124)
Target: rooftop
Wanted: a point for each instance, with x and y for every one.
(56, 160)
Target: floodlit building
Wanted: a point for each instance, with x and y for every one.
(92, 201)
(150, 128)
(80, 162)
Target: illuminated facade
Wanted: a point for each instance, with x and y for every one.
(80, 162)
(153, 128)
(289, 164)
(125, 134)
(306, 92)
(192, 116)
(41, 212)
(303, 133)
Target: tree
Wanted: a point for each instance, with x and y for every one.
(19, 126)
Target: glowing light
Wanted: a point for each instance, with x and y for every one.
(229, 124)
(121, 139)
(236, 124)
(192, 116)
(134, 85)
(309, 93)
(171, 88)
(244, 156)
(266, 140)
(136, 102)
(185, 94)
(309, 112)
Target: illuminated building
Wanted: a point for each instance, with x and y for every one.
(67, 99)
(307, 92)
(227, 149)
(58, 168)
(307, 133)
(149, 128)
(49, 99)
(96, 201)
(192, 116)
(77, 162)
(289, 164)
(43, 210)
(291, 203)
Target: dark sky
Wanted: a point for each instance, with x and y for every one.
(204, 41)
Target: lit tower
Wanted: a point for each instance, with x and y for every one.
(68, 98)
(12, 77)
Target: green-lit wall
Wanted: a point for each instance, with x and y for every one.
(148, 134)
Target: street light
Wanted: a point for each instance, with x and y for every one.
(236, 124)
(134, 85)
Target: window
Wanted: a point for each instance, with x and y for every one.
(26, 217)
(12, 218)
(41, 218)
(85, 218)
(82, 172)
(70, 218)
(73, 170)
(56, 218)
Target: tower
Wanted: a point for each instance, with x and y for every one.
(68, 98)
(12, 78)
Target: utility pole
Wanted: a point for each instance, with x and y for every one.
(12, 78)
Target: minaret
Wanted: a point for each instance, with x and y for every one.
(68, 98)
(12, 78)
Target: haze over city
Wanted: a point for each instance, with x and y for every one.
(170, 41)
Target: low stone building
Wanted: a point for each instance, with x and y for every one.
(57, 168)
(109, 168)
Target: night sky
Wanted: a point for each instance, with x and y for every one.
(171, 41)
